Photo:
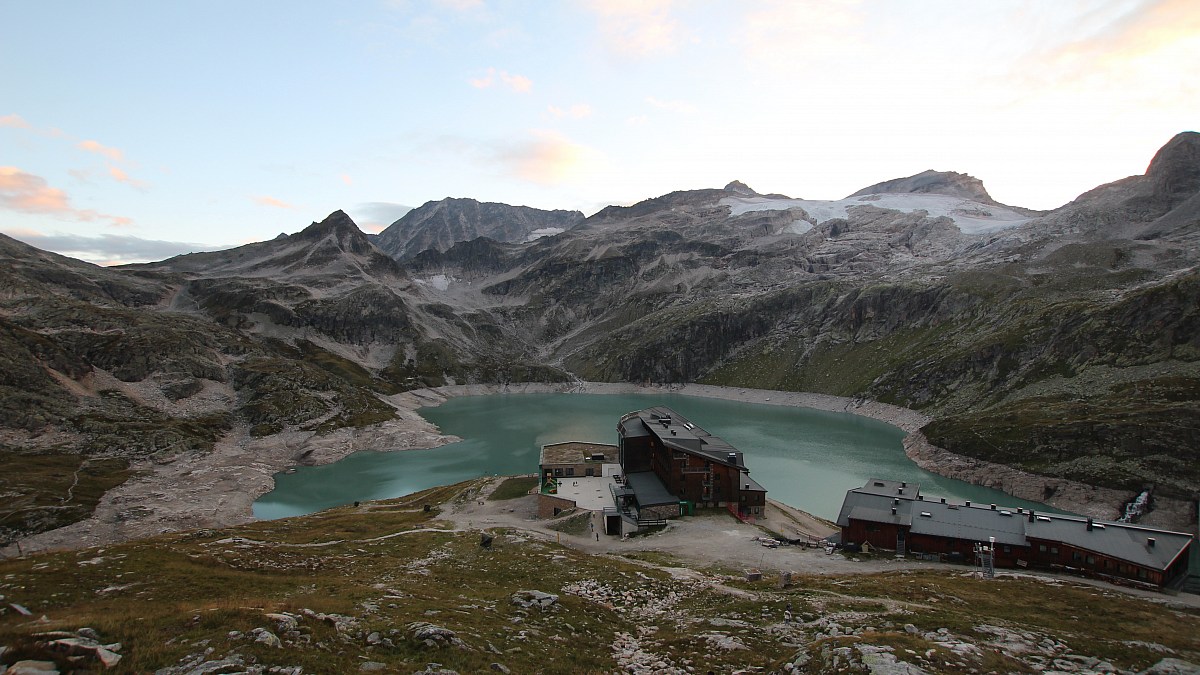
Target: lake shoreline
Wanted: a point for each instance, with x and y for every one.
(218, 488)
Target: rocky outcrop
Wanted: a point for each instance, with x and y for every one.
(934, 182)
(441, 224)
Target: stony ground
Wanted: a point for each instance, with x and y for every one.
(406, 586)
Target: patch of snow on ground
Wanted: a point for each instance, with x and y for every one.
(439, 281)
(970, 217)
(544, 232)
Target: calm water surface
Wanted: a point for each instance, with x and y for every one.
(805, 458)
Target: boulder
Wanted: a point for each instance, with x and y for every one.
(528, 599)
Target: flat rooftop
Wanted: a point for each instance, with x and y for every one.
(575, 452)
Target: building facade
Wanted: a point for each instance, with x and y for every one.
(695, 468)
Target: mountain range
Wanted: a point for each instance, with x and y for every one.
(1064, 343)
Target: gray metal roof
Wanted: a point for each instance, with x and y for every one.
(972, 523)
(748, 483)
(679, 433)
(648, 489)
(874, 502)
(1118, 540)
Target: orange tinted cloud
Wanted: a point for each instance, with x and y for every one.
(14, 120)
(121, 177)
(273, 202)
(577, 111)
(347, 179)
(111, 153)
(517, 83)
(548, 158)
(29, 193)
(638, 27)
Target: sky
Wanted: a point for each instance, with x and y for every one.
(134, 130)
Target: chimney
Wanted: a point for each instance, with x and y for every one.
(993, 507)
(900, 490)
(1031, 515)
(893, 510)
(943, 500)
(903, 483)
(733, 458)
(896, 500)
(920, 498)
(1150, 542)
(1089, 524)
(967, 503)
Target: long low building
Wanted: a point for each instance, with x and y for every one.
(894, 515)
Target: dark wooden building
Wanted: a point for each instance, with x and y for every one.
(698, 469)
(895, 516)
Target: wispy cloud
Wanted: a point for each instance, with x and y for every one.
(1155, 42)
(795, 35)
(264, 200)
(118, 174)
(462, 5)
(14, 120)
(93, 146)
(492, 77)
(546, 157)
(107, 249)
(675, 106)
(638, 28)
(29, 193)
(577, 111)
(374, 217)
(346, 179)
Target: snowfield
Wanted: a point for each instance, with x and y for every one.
(971, 217)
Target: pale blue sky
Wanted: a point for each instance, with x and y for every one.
(136, 130)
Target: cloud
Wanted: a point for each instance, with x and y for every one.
(797, 35)
(638, 28)
(1141, 43)
(14, 120)
(111, 153)
(108, 249)
(347, 179)
(29, 193)
(264, 200)
(682, 107)
(120, 176)
(517, 83)
(374, 217)
(462, 5)
(577, 111)
(546, 158)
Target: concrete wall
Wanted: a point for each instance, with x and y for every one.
(547, 504)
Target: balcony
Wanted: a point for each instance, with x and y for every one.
(695, 469)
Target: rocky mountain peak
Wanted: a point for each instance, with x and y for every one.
(1175, 168)
(740, 188)
(342, 228)
(933, 182)
(441, 224)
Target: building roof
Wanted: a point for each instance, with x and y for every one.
(748, 484)
(576, 452)
(678, 433)
(874, 502)
(1118, 540)
(648, 489)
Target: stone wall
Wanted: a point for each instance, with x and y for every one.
(547, 504)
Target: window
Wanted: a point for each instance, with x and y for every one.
(1091, 560)
(570, 471)
(1042, 548)
(558, 472)
(1076, 556)
(1054, 550)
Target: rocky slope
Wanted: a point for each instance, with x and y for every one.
(1063, 343)
(441, 224)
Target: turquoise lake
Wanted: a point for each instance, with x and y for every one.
(805, 458)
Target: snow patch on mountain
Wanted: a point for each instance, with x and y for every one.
(971, 217)
(439, 281)
(544, 232)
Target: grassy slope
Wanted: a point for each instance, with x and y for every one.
(384, 565)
